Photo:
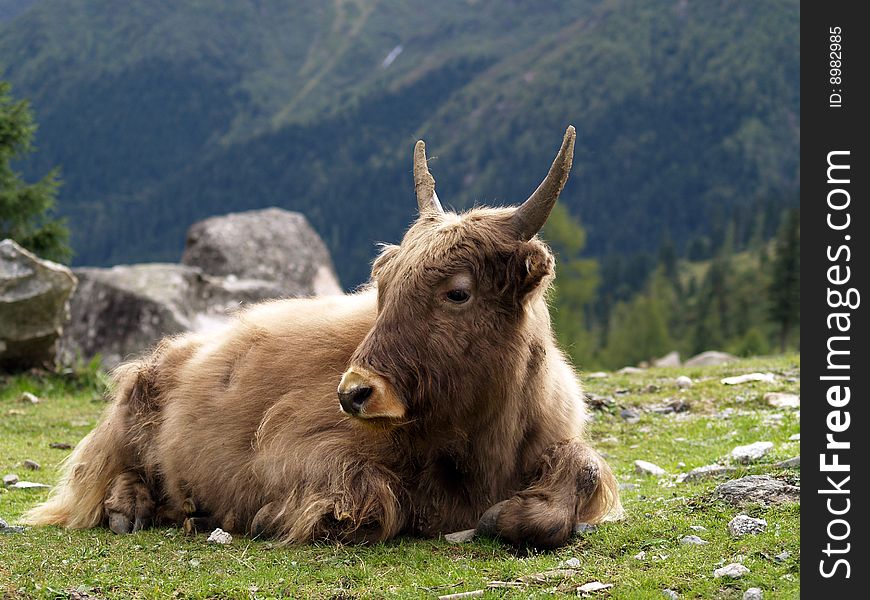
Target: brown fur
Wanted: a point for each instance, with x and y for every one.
(242, 425)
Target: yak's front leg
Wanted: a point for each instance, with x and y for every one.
(572, 485)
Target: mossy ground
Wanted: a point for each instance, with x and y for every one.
(164, 563)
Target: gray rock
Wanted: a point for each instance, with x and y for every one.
(751, 452)
(669, 593)
(745, 525)
(710, 358)
(671, 359)
(795, 438)
(10, 479)
(34, 296)
(271, 245)
(28, 485)
(628, 486)
(460, 537)
(791, 463)
(733, 570)
(697, 528)
(6, 528)
(643, 467)
(596, 402)
(219, 536)
(684, 382)
(693, 540)
(629, 415)
(753, 593)
(629, 370)
(748, 378)
(708, 472)
(782, 400)
(29, 398)
(124, 310)
(30, 464)
(571, 563)
(761, 489)
(782, 556)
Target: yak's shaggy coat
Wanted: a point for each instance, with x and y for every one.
(456, 400)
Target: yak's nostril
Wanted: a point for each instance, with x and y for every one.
(353, 399)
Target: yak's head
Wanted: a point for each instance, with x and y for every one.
(455, 306)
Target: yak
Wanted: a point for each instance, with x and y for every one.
(433, 399)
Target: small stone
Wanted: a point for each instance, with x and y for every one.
(753, 594)
(749, 377)
(679, 405)
(708, 472)
(30, 464)
(28, 485)
(671, 594)
(460, 537)
(733, 570)
(60, 446)
(584, 528)
(671, 359)
(697, 528)
(629, 370)
(795, 438)
(662, 410)
(10, 479)
(597, 375)
(593, 586)
(781, 400)
(681, 464)
(219, 536)
(6, 528)
(643, 467)
(761, 489)
(745, 525)
(711, 358)
(571, 563)
(640, 555)
(684, 382)
(751, 452)
(28, 397)
(596, 402)
(782, 556)
(628, 486)
(193, 562)
(693, 540)
(791, 463)
(629, 415)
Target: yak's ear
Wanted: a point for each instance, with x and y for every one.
(532, 264)
(388, 251)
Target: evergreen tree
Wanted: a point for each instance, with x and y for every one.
(784, 290)
(25, 208)
(576, 285)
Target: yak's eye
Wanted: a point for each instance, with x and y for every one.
(458, 296)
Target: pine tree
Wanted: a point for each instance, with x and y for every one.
(784, 291)
(25, 209)
(576, 285)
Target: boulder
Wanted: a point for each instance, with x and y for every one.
(762, 489)
(122, 311)
(34, 305)
(270, 245)
(710, 358)
(671, 359)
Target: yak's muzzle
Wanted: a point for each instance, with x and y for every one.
(367, 395)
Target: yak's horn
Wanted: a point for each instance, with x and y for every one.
(530, 217)
(424, 183)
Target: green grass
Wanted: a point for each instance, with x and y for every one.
(164, 563)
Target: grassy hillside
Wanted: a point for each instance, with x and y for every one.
(640, 556)
(164, 113)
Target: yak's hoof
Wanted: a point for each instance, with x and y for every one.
(488, 523)
(195, 525)
(263, 525)
(120, 524)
